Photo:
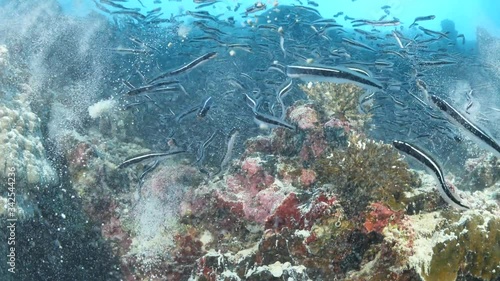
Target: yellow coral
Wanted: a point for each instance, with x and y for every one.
(367, 171)
(474, 251)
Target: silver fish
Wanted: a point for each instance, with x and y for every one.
(141, 157)
(333, 74)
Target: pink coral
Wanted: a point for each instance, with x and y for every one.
(255, 197)
(251, 166)
(250, 194)
(305, 117)
(307, 177)
(337, 123)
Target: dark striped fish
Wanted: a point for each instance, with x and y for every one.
(186, 67)
(204, 108)
(148, 168)
(284, 89)
(150, 87)
(128, 84)
(461, 36)
(259, 6)
(375, 23)
(358, 45)
(266, 121)
(101, 7)
(269, 121)
(458, 118)
(398, 36)
(321, 21)
(442, 62)
(432, 32)
(149, 155)
(335, 75)
(111, 3)
(127, 51)
(444, 189)
(202, 15)
(203, 147)
(133, 14)
(179, 118)
(431, 17)
(209, 3)
(305, 8)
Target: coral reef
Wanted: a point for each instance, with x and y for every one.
(358, 224)
(305, 117)
(321, 203)
(21, 135)
(22, 147)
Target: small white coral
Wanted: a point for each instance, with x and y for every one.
(101, 108)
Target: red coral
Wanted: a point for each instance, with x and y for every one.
(188, 249)
(251, 166)
(259, 144)
(380, 217)
(321, 207)
(252, 198)
(286, 215)
(234, 207)
(205, 270)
